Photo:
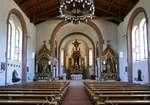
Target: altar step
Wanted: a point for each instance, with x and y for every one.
(76, 76)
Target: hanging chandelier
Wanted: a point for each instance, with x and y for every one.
(77, 11)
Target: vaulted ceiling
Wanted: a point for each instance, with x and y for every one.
(41, 10)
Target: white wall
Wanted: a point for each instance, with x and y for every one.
(71, 28)
(122, 41)
(108, 30)
(5, 7)
(31, 49)
(44, 32)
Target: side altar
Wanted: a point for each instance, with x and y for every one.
(43, 68)
(109, 64)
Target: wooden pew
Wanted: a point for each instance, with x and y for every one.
(26, 102)
(36, 87)
(28, 96)
(93, 93)
(104, 98)
(116, 87)
(35, 94)
(121, 92)
(127, 102)
(101, 92)
(44, 86)
(46, 91)
(59, 95)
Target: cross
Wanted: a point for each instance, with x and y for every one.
(76, 44)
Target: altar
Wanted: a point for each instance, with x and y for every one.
(76, 63)
(76, 76)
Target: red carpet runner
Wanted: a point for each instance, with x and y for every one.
(76, 96)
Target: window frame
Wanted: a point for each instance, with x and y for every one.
(140, 41)
(90, 57)
(9, 40)
(14, 43)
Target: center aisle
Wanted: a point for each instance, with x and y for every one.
(76, 94)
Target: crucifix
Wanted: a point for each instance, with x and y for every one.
(76, 54)
(76, 44)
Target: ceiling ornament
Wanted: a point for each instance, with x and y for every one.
(77, 11)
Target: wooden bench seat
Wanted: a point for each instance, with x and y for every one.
(57, 95)
(94, 96)
(127, 102)
(101, 92)
(45, 93)
(103, 98)
(28, 92)
(115, 85)
(31, 97)
(26, 102)
(36, 91)
(94, 93)
(28, 96)
(121, 92)
(124, 102)
(32, 89)
(37, 86)
(116, 89)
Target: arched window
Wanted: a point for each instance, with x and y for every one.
(90, 57)
(135, 44)
(62, 57)
(18, 44)
(138, 46)
(143, 37)
(139, 40)
(9, 40)
(16, 49)
(14, 43)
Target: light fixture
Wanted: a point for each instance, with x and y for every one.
(77, 11)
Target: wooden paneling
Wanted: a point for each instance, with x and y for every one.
(42, 10)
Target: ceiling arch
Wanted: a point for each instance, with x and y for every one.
(62, 23)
